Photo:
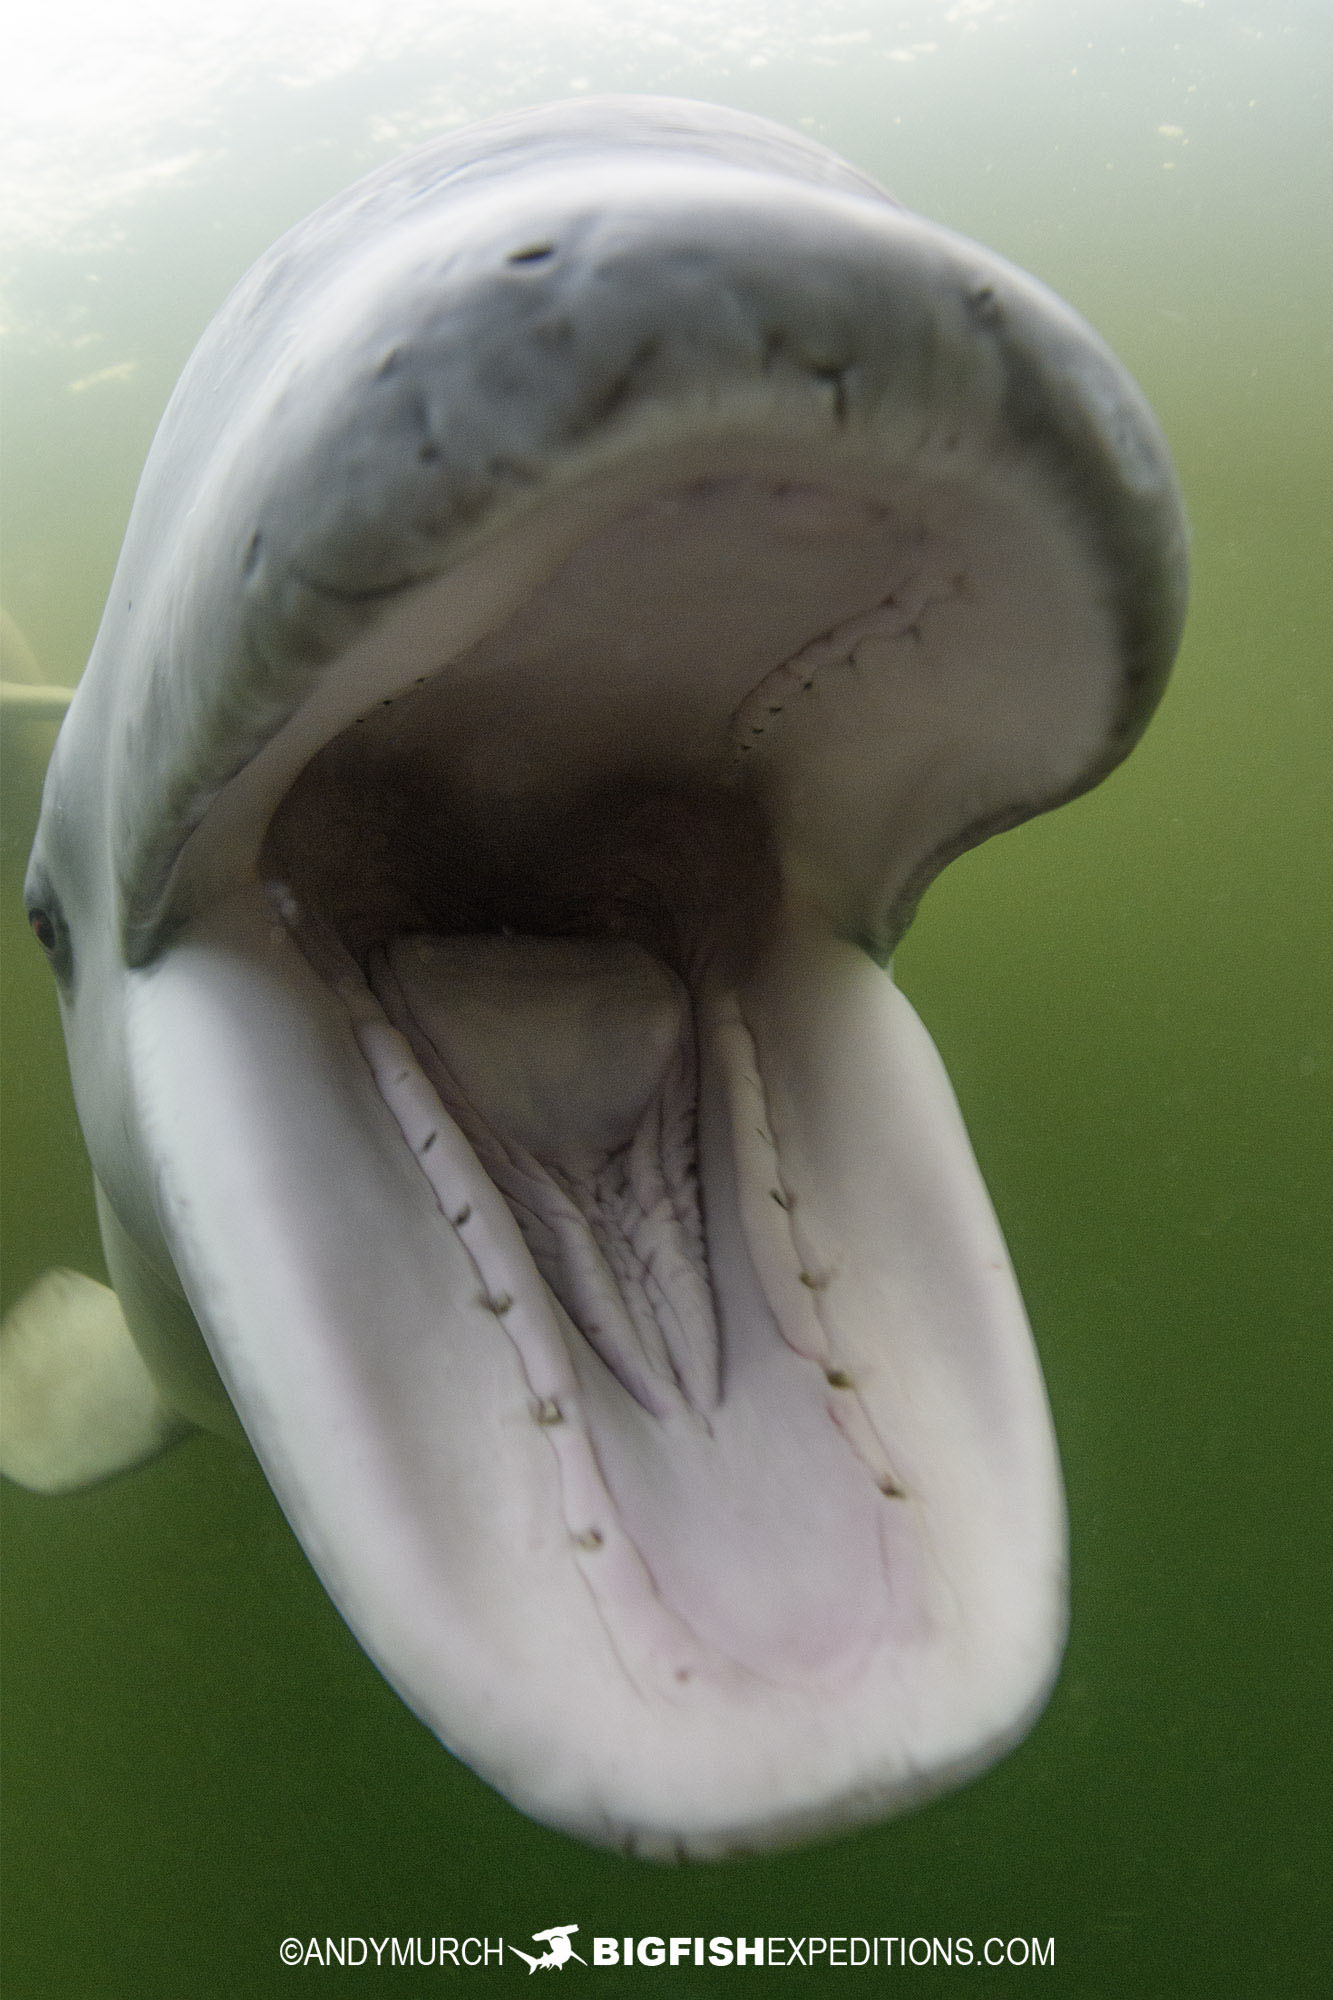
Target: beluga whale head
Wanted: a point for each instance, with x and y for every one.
(589, 579)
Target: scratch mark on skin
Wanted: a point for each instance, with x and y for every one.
(815, 668)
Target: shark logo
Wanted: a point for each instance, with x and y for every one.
(558, 1951)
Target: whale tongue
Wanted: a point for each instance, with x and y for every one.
(571, 1068)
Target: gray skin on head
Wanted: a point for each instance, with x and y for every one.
(589, 579)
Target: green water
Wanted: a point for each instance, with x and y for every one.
(1133, 998)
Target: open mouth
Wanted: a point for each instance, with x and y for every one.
(694, 1244)
(549, 889)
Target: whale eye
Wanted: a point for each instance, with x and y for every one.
(48, 927)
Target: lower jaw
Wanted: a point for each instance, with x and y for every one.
(712, 1629)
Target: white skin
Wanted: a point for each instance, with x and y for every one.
(575, 602)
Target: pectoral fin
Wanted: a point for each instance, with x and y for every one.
(77, 1403)
(34, 703)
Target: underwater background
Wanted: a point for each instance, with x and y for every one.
(1134, 999)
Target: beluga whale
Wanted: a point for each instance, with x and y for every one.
(589, 579)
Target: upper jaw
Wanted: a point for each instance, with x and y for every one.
(462, 423)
